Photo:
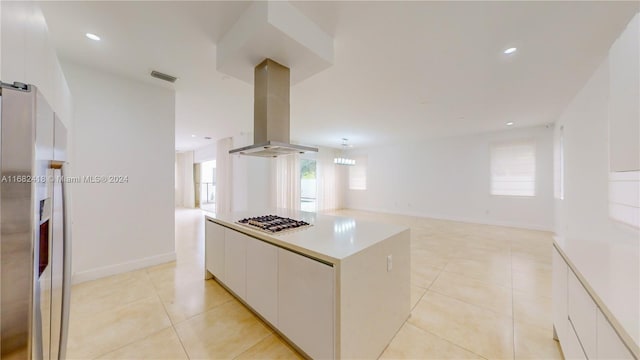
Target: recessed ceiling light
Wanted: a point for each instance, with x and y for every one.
(510, 123)
(510, 50)
(193, 136)
(93, 37)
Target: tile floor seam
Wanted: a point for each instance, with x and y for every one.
(173, 327)
(414, 305)
(479, 280)
(433, 282)
(200, 313)
(272, 333)
(469, 303)
(184, 348)
(488, 283)
(127, 303)
(447, 340)
(474, 305)
(127, 344)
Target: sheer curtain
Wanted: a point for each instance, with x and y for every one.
(223, 175)
(287, 182)
(327, 180)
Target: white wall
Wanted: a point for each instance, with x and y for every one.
(122, 127)
(251, 178)
(205, 153)
(606, 252)
(27, 55)
(449, 178)
(185, 192)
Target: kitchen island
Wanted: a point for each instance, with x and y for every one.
(336, 289)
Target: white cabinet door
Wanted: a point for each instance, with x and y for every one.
(306, 303)
(262, 279)
(609, 344)
(624, 108)
(572, 349)
(582, 312)
(235, 262)
(214, 249)
(559, 295)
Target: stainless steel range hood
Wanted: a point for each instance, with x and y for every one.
(271, 113)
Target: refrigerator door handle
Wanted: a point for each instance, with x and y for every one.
(59, 170)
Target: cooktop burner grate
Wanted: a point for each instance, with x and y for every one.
(273, 224)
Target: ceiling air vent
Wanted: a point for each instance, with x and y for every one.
(165, 77)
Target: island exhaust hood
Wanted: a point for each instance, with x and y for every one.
(271, 113)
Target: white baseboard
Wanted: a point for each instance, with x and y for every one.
(115, 269)
(456, 218)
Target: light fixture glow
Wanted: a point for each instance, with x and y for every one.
(93, 37)
(510, 123)
(510, 50)
(344, 161)
(193, 136)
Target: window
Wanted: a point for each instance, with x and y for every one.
(513, 169)
(561, 163)
(308, 185)
(558, 174)
(358, 175)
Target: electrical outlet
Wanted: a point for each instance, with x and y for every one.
(389, 262)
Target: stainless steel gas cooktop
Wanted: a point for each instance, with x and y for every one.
(273, 224)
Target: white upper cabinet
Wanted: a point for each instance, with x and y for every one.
(624, 99)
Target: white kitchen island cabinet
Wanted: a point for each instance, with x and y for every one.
(337, 289)
(262, 279)
(235, 262)
(306, 298)
(214, 249)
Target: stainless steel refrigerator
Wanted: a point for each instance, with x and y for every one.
(34, 242)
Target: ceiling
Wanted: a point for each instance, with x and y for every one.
(403, 71)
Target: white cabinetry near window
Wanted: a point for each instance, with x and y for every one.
(609, 344)
(582, 315)
(580, 324)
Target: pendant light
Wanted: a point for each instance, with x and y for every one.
(342, 160)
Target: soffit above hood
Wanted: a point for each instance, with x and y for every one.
(271, 113)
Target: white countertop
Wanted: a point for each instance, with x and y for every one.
(331, 238)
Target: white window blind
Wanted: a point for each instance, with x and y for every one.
(513, 169)
(358, 174)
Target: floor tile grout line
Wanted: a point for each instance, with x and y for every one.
(173, 326)
(474, 305)
(200, 313)
(271, 333)
(129, 343)
(184, 348)
(447, 340)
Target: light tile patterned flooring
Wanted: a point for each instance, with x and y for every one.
(477, 291)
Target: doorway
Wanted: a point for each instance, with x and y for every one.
(207, 186)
